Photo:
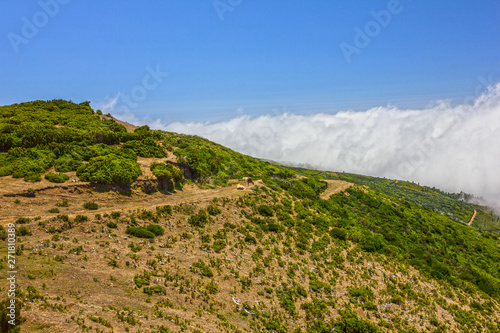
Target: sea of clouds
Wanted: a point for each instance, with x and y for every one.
(452, 147)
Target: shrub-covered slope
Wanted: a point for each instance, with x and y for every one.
(39, 135)
(277, 257)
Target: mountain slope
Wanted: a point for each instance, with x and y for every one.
(148, 233)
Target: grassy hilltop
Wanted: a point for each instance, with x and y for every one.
(128, 229)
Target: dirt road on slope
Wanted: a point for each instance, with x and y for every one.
(108, 201)
(472, 218)
(334, 186)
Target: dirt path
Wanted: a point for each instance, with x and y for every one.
(108, 201)
(472, 218)
(334, 186)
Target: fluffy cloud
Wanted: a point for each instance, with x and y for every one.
(452, 147)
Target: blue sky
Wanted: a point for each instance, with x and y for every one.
(254, 57)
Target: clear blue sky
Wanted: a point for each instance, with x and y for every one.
(262, 56)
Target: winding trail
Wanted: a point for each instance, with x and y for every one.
(472, 218)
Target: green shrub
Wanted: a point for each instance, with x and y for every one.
(101, 320)
(168, 175)
(363, 293)
(56, 177)
(213, 210)
(30, 163)
(265, 210)
(204, 270)
(23, 231)
(146, 147)
(66, 163)
(54, 210)
(350, 323)
(80, 218)
(115, 215)
(154, 290)
(140, 232)
(23, 220)
(199, 220)
(109, 169)
(3, 233)
(164, 210)
(135, 247)
(76, 250)
(63, 217)
(112, 224)
(212, 287)
(219, 245)
(156, 229)
(113, 262)
(91, 205)
(250, 239)
(338, 233)
(372, 243)
(5, 326)
(63, 203)
(139, 282)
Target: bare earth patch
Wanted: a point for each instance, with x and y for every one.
(335, 186)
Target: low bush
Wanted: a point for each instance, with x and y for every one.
(140, 232)
(198, 220)
(204, 270)
(5, 326)
(91, 206)
(156, 229)
(112, 224)
(56, 177)
(23, 220)
(81, 218)
(23, 231)
(154, 290)
(63, 203)
(265, 210)
(338, 233)
(213, 210)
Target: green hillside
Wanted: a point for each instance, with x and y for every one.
(151, 227)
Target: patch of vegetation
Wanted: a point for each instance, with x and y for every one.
(63, 203)
(199, 220)
(91, 205)
(23, 231)
(109, 169)
(140, 232)
(23, 220)
(56, 177)
(154, 290)
(203, 269)
(168, 176)
(156, 229)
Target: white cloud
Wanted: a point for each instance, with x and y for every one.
(108, 105)
(455, 148)
(121, 111)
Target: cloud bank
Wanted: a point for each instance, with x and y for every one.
(452, 147)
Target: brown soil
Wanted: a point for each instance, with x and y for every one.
(335, 186)
(48, 194)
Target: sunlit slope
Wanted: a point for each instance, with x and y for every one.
(151, 234)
